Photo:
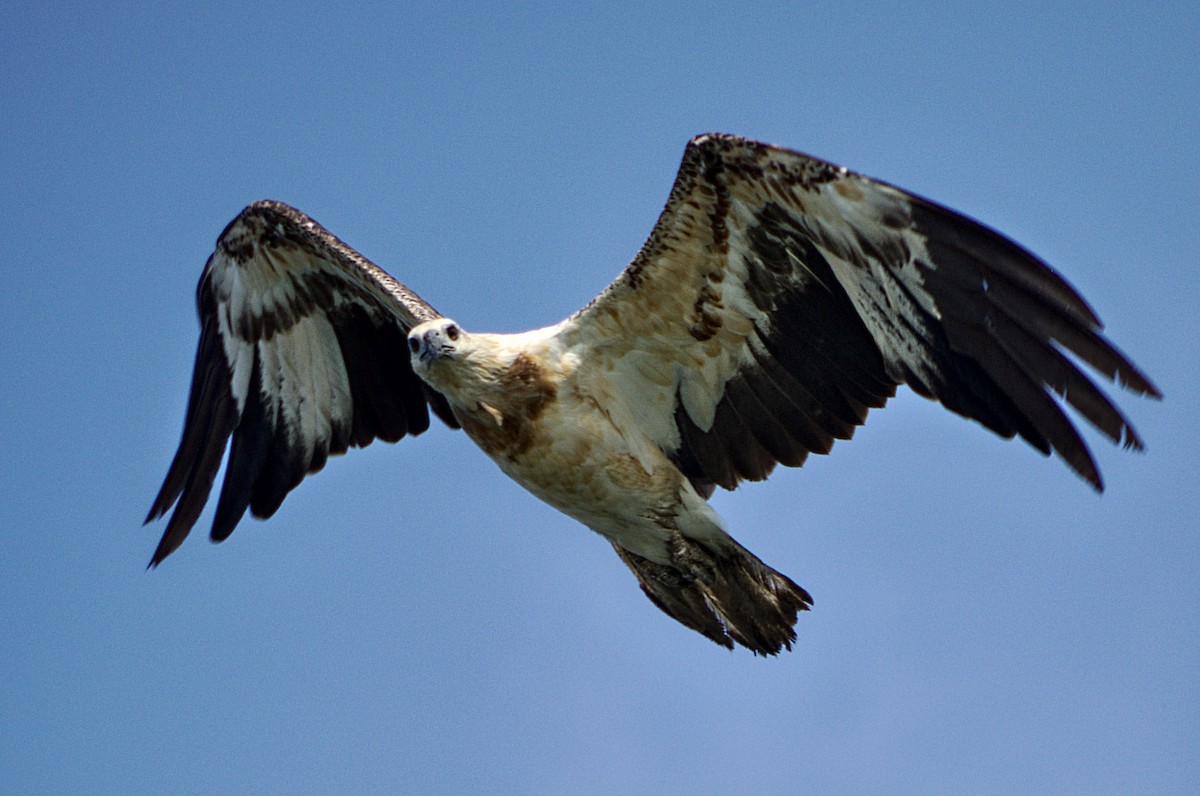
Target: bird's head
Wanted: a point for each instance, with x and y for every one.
(451, 360)
(433, 341)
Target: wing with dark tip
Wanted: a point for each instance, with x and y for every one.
(780, 297)
(303, 353)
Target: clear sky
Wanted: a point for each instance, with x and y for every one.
(411, 621)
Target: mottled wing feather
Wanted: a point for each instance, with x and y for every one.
(780, 298)
(303, 353)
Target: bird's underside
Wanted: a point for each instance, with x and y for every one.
(778, 299)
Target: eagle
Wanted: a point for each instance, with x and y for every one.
(778, 299)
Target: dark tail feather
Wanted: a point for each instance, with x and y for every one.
(728, 595)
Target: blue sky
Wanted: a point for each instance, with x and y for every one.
(411, 621)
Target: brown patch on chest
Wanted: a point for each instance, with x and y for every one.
(506, 425)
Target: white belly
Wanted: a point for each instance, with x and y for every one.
(547, 432)
(626, 490)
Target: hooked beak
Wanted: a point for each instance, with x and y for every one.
(431, 348)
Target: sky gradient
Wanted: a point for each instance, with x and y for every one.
(410, 620)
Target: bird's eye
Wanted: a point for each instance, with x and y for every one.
(452, 332)
(414, 344)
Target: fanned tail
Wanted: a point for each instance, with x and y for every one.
(728, 595)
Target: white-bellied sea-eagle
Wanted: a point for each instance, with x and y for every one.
(778, 299)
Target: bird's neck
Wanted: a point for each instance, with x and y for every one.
(498, 392)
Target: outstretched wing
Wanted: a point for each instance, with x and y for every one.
(303, 352)
(780, 297)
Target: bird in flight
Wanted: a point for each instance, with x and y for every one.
(778, 299)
